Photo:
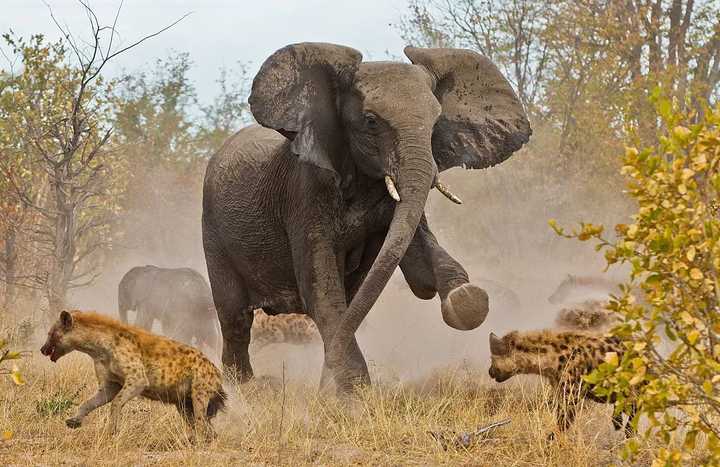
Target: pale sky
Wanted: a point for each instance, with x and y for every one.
(220, 32)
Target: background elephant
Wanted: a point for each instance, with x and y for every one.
(179, 298)
(316, 208)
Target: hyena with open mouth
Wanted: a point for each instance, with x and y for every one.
(131, 362)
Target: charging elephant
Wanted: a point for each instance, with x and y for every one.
(179, 298)
(315, 209)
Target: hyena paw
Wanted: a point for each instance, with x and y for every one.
(73, 422)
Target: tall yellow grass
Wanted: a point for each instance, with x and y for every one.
(269, 422)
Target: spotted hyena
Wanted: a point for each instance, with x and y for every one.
(131, 362)
(291, 328)
(561, 357)
(591, 315)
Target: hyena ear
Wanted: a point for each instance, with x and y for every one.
(497, 345)
(66, 319)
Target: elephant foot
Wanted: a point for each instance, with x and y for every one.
(347, 378)
(238, 374)
(236, 361)
(465, 307)
(73, 422)
(348, 386)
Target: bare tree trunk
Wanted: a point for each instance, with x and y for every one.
(63, 265)
(10, 261)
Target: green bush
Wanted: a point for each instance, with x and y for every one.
(672, 332)
(57, 404)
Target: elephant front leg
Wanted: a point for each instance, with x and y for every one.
(319, 275)
(145, 318)
(429, 269)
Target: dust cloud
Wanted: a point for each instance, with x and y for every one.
(499, 234)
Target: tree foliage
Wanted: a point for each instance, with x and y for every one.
(64, 176)
(58, 143)
(590, 65)
(161, 126)
(672, 364)
(584, 70)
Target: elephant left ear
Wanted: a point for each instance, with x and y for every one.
(483, 121)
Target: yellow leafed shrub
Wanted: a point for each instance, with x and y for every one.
(14, 371)
(672, 333)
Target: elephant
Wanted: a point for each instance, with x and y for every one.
(314, 207)
(584, 286)
(179, 298)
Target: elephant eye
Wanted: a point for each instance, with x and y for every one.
(371, 121)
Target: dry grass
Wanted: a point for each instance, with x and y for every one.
(387, 424)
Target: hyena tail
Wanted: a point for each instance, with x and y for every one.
(217, 403)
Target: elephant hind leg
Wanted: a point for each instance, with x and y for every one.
(230, 296)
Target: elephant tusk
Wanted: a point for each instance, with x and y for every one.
(448, 194)
(391, 188)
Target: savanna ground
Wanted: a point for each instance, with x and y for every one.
(269, 422)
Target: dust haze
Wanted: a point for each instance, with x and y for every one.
(500, 234)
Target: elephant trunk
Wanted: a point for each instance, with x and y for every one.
(416, 172)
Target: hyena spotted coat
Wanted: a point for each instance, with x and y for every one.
(590, 315)
(290, 328)
(561, 357)
(131, 362)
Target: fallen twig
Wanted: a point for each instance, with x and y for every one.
(465, 439)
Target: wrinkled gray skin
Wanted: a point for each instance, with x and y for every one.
(179, 298)
(296, 213)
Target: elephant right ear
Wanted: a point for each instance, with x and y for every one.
(295, 92)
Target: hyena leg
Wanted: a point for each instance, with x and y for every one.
(131, 389)
(566, 401)
(200, 400)
(104, 395)
(185, 409)
(629, 430)
(617, 421)
(565, 413)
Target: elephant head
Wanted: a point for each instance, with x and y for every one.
(397, 122)
(134, 288)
